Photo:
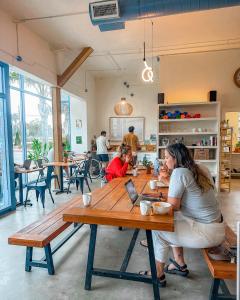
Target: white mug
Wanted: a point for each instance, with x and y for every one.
(87, 199)
(153, 184)
(135, 171)
(145, 208)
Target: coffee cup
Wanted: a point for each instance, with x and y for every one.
(153, 184)
(145, 207)
(87, 199)
(134, 172)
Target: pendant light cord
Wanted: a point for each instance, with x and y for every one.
(17, 38)
(152, 44)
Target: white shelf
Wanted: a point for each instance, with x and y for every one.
(210, 120)
(187, 120)
(187, 104)
(187, 133)
(194, 147)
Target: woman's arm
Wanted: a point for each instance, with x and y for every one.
(175, 202)
(120, 170)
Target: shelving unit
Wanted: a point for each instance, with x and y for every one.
(200, 135)
(225, 157)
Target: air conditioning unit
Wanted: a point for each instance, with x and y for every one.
(103, 10)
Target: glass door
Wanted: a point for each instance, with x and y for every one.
(7, 199)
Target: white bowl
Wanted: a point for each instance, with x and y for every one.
(161, 208)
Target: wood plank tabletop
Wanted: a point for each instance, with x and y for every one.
(59, 164)
(25, 171)
(111, 205)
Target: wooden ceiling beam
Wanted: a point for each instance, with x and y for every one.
(73, 67)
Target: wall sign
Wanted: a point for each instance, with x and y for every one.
(78, 139)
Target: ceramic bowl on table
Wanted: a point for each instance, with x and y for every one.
(161, 208)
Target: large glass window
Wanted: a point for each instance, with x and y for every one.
(16, 126)
(38, 120)
(31, 108)
(65, 116)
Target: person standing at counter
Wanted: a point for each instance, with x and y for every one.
(102, 148)
(131, 139)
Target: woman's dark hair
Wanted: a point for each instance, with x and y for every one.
(124, 149)
(184, 159)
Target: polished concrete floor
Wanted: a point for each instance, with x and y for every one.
(70, 261)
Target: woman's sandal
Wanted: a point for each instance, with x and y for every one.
(179, 270)
(144, 243)
(161, 280)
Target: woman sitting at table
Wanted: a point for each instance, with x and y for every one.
(198, 222)
(118, 165)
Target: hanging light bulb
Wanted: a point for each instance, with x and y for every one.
(123, 108)
(147, 73)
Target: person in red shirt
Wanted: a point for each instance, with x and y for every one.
(118, 165)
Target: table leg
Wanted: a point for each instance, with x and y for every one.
(20, 181)
(62, 189)
(152, 265)
(91, 252)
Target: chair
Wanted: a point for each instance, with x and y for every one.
(80, 175)
(40, 187)
(41, 176)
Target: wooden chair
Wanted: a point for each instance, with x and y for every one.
(41, 187)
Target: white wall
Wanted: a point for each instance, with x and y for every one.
(110, 90)
(38, 59)
(183, 78)
(189, 77)
(78, 111)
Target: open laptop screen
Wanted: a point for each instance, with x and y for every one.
(131, 190)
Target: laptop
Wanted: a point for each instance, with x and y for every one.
(27, 163)
(135, 197)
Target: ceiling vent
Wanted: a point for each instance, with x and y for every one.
(104, 10)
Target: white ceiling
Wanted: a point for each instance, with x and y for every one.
(121, 51)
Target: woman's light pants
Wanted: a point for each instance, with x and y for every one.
(187, 233)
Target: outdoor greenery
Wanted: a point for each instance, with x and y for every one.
(37, 128)
(38, 150)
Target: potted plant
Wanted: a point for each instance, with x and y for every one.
(36, 151)
(65, 156)
(237, 147)
(148, 164)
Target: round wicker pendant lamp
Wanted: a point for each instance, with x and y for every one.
(123, 108)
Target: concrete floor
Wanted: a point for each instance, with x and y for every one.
(70, 262)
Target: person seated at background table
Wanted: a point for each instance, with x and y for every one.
(118, 165)
(198, 222)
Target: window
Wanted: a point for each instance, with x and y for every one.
(65, 116)
(16, 126)
(31, 109)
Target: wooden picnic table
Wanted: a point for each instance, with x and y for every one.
(111, 206)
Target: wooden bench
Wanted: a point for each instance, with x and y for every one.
(222, 270)
(40, 234)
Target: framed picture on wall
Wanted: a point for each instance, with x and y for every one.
(78, 123)
(118, 127)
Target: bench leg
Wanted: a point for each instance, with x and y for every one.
(29, 254)
(91, 252)
(49, 259)
(214, 289)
